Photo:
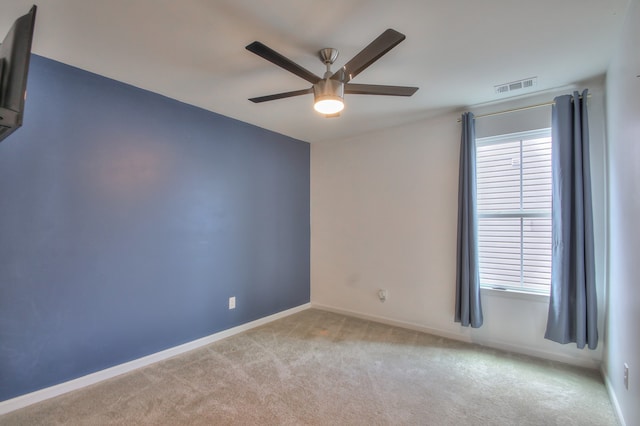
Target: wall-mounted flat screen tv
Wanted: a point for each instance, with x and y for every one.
(15, 53)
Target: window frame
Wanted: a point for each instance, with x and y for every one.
(522, 214)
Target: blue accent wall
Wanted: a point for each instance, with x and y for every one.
(128, 219)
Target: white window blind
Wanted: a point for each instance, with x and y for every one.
(514, 211)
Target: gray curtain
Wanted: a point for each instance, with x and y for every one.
(468, 306)
(572, 306)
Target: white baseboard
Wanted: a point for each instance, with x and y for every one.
(389, 321)
(505, 346)
(90, 379)
(613, 398)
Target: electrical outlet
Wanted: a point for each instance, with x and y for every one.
(382, 295)
(626, 376)
(232, 302)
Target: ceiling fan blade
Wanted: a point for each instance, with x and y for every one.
(378, 47)
(281, 61)
(281, 95)
(375, 89)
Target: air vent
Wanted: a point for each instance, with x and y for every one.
(527, 83)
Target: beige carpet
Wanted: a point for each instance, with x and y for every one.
(320, 368)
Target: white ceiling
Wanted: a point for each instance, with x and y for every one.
(455, 51)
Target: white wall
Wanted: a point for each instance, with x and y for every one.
(623, 126)
(384, 210)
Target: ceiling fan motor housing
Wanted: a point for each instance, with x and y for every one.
(328, 89)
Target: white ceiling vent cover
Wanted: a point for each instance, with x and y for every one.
(527, 83)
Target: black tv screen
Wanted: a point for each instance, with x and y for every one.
(15, 53)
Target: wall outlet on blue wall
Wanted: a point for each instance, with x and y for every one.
(232, 302)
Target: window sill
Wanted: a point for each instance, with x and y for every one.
(514, 294)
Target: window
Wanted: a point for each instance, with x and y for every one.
(514, 211)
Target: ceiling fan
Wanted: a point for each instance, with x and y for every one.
(329, 90)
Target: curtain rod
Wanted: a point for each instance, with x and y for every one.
(507, 111)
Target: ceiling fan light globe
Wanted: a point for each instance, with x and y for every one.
(329, 105)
